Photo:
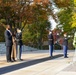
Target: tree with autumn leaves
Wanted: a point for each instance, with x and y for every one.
(67, 15)
(18, 13)
(67, 18)
(21, 13)
(31, 16)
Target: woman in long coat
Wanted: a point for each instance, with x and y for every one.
(14, 46)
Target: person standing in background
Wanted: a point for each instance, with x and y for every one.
(51, 43)
(65, 45)
(8, 43)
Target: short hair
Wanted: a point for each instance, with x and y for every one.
(7, 26)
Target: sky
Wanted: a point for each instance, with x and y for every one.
(53, 23)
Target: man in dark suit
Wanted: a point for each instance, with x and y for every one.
(65, 45)
(51, 42)
(8, 43)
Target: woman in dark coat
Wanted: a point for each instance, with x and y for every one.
(19, 44)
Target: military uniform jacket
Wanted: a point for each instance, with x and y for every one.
(50, 39)
(65, 41)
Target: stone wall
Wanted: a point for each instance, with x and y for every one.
(24, 48)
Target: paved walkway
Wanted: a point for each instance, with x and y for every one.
(39, 63)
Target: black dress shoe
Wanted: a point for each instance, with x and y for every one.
(13, 60)
(51, 56)
(9, 61)
(21, 59)
(65, 57)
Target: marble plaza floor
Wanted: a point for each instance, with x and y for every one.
(39, 63)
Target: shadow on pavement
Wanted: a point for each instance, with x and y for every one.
(11, 68)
